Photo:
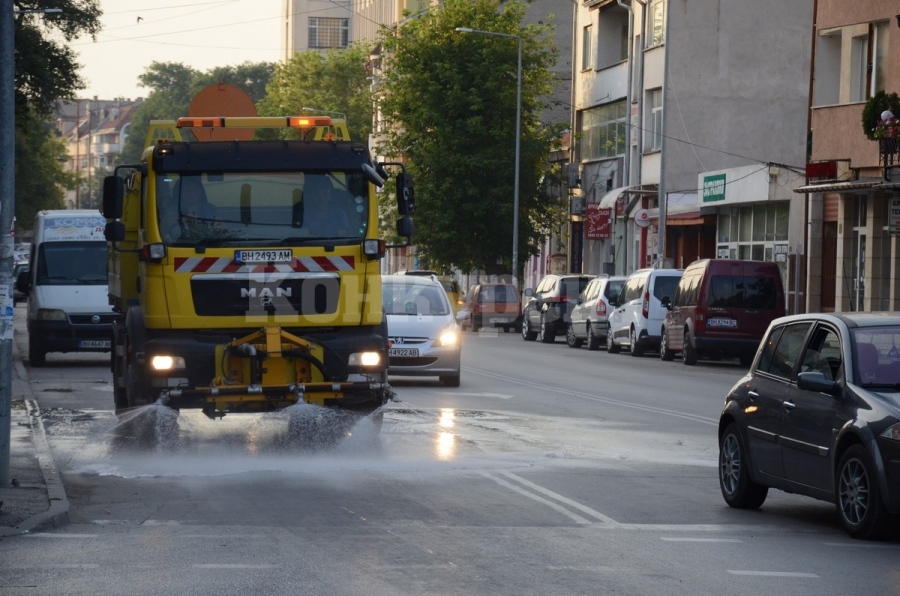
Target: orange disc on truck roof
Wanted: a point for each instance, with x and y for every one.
(222, 100)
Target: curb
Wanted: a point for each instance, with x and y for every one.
(57, 515)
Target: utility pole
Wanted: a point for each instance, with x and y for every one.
(7, 211)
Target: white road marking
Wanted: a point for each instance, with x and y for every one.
(669, 539)
(60, 566)
(232, 566)
(860, 545)
(456, 393)
(534, 497)
(583, 508)
(774, 574)
(47, 535)
(219, 536)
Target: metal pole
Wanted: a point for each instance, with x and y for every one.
(515, 250)
(7, 211)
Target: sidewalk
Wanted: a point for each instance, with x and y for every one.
(36, 498)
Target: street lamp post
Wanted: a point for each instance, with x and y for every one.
(515, 250)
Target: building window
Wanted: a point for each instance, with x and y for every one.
(879, 57)
(656, 24)
(612, 36)
(328, 32)
(653, 127)
(758, 232)
(851, 63)
(859, 60)
(587, 49)
(603, 132)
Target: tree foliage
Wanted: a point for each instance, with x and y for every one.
(449, 106)
(334, 80)
(40, 179)
(46, 71)
(172, 87)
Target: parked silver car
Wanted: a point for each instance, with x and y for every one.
(422, 330)
(589, 320)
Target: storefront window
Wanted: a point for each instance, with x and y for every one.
(758, 232)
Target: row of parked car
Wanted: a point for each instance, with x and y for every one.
(715, 308)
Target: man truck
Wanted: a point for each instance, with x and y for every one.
(247, 303)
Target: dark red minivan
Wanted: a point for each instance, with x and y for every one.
(721, 309)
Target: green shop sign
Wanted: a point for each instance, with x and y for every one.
(714, 188)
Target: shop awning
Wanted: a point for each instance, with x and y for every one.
(838, 186)
(609, 199)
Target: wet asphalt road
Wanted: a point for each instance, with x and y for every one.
(549, 471)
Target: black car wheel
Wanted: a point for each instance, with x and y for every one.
(571, 340)
(636, 349)
(738, 490)
(527, 333)
(664, 352)
(688, 353)
(547, 332)
(858, 497)
(593, 342)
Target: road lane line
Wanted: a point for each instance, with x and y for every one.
(583, 508)
(558, 508)
(233, 566)
(774, 574)
(48, 535)
(669, 539)
(607, 400)
(861, 545)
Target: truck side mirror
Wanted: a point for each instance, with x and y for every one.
(406, 198)
(113, 197)
(405, 227)
(114, 231)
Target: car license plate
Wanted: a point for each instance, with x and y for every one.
(498, 320)
(404, 352)
(722, 323)
(263, 256)
(88, 344)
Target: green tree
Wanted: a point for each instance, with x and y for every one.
(40, 178)
(173, 86)
(46, 71)
(334, 80)
(448, 103)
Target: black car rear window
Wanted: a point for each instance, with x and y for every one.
(742, 291)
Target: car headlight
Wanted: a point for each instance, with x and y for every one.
(364, 359)
(448, 337)
(892, 432)
(51, 314)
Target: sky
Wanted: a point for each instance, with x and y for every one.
(201, 34)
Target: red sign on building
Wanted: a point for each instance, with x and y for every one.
(598, 222)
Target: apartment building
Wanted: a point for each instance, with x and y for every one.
(315, 25)
(691, 123)
(852, 200)
(94, 131)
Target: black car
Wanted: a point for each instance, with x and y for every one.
(548, 307)
(818, 414)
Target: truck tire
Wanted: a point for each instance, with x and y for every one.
(37, 355)
(136, 385)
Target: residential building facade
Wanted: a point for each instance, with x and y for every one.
(852, 201)
(690, 122)
(315, 25)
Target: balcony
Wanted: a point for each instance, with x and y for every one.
(888, 154)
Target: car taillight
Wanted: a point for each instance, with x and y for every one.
(563, 298)
(645, 305)
(601, 308)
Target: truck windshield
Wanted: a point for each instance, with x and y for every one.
(71, 264)
(266, 207)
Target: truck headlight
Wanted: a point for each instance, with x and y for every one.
(167, 363)
(51, 314)
(364, 359)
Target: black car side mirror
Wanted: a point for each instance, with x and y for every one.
(816, 381)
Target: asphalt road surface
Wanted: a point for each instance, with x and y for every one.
(548, 471)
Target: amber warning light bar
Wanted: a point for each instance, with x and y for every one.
(254, 122)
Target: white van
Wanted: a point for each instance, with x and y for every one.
(68, 302)
(637, 318)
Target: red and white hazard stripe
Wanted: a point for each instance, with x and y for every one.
(228, 265)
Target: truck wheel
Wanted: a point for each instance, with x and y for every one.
(36, 353)
(120, 398)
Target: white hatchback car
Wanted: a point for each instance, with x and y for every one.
(638, 315)
(422, 329)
